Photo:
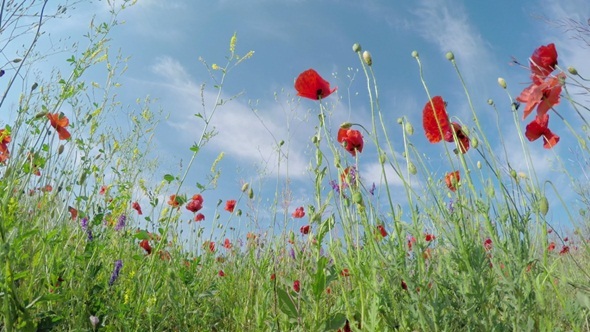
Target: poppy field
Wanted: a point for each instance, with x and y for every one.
(94, 236)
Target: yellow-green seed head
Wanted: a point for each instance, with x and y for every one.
(356, 47)
(572, 70)
(368, 58)
(450, 56)
(414, 54)
(502, 82)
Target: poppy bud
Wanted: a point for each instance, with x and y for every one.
(572, 70)
(502, 82)
(314, 139)
(239, 212)
(346, 125)
(409, 128)
(281, 143)
(356, 47)
(251, 193)
(400, 120)
(245, 187)
(382, 157)
(17, 60)
(450, 56)
(543, 205)
(513, 174)
(412, 168)
(367, 57)
(414, 54)
(478, 164)
(490, 102)
(357, 198)
(474, 143)
(35, 85)
(60, 149)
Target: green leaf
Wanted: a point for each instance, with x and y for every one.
(286, 304)
(169, 178)
(142, 235)
(195, 148)
(335, 322)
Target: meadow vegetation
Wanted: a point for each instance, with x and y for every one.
(91, 231)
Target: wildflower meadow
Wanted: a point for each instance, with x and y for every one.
(96, 236)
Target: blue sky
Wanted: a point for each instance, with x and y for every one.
(166, 38)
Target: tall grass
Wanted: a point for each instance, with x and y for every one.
(77, 254)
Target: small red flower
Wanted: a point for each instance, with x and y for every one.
(351, 140)
(564, 250)
(221, 273)
(59, 122)
(411, 241)
(565, 239)
(145, 244)
(195, 204)
(487, 244)
(73, 212)
(199, 217)
(173, 201)
(382, 230)
(227, 244)
(538, 128)
(345, 273)
(299, 212)
(435, 119)
(463, 140)
(4, 140)
(429, 237)
(452, 179)
(273, 277)
(296, 286)
(305, 229)
(404, 285)
(230, 205)
(211, 246)
(311, 85)
(551, 246)
(544, 60)
(103, 190)
(137, 207)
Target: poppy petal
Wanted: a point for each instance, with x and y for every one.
(435, 119)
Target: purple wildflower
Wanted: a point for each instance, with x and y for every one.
(120, 223)
(292, 252)
(335, 186)
(451, 206)
(116, 271)
(84, 225)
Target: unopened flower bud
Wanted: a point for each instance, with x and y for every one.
(250, 193)
(414, 54)
(513, 174)
(478, 164)
(502, 82)
(572, 70)
(356, 47)
(450, 56)
(543, 205)
(245, 187)
(400, 120)
(490, 102)
(60, 149)
(474, 143)
(409, 128)
(346, 125)
(412, 168)
(368, 58)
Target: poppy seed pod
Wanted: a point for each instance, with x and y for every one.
(251, 193)
(474, 143)
(356, 47)
(409, 128)
(245, 187)
(490, 102)
(543, 205)
(572, 70)
(368, 58)
(450, 56)
(502, 82)
(412, 168)
(414, 54)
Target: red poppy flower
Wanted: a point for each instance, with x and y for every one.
(73, 212)
(538, 128)
(541, 94)
(461, 137)
(299, 212)
(103, 190)
(551, 246)
(351, 140)
(382, 230)
(311, 85)
(230, 205)
(411, 241)
(429, 237)
(296, 286)
(59, 122)
(452, 179)
(199, 217)
(173, 201)
(273, 277)
(435, 119)
(404, 285)
(227, 244)
(487, 244)
(211, 245)
(137, 207)
(564, 250)
(145, 244)
(221, 273)
(345, 273)
(305, 229)
(195, 204)
(544, 60)
(4, 140)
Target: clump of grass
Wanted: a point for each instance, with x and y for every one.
(90, 240)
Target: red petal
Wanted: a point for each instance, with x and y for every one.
(435, 119)
(310, 84)
(537, 127)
